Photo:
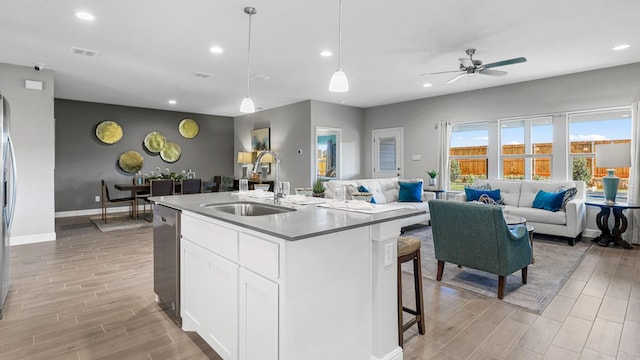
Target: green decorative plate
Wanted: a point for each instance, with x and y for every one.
(131, 161)
(189, 128)
(109, 132)
(155, 141)
(171, 152)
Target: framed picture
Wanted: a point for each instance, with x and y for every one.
(260, 139)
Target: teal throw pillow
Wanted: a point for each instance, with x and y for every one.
(363, 188)
(410, 191)
(548, 200)
(474, 195)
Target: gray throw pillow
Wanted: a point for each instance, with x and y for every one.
(569, 195)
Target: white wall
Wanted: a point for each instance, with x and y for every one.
(33, 134)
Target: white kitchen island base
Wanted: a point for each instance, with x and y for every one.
(254, 296)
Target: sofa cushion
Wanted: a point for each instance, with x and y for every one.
(551, 201)
(410, 191)
(538, 215)
(375, 187)
(509, 190)
(569, 195)
(530, 190)
(474, 195)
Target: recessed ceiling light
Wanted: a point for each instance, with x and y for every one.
(326, 53)
(83, 15)
(427, 85)
(172, 102)
(621, 47)
(216, 50)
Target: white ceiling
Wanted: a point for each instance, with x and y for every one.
(150, 49)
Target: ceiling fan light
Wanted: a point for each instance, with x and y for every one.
(247, 106)
(339, 82)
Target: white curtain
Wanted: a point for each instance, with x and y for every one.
(633, 232)
(444, 137)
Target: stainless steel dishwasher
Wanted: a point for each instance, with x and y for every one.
(166, 259)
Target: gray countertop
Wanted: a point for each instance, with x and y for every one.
(307, 221)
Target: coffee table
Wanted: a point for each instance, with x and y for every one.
(512, 220)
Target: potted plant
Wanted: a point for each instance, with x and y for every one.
(432, 177)
(318, 188)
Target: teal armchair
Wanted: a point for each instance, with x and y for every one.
(476, 236)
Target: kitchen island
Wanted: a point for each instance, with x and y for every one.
(312, 283)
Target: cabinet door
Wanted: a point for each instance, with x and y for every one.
(258, 316)
(194, 265)
(222, 306)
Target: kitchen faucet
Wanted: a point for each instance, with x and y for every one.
(277, 192)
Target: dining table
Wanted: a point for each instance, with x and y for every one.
(139, 189)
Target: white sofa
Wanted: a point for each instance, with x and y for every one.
(384, 191)
(518, 199)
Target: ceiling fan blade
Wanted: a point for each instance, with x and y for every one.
(440, 72)
(457, 77)
(493, 72)
(505, 62)
(466, 62)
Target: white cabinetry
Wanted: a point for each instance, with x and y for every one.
(258, 317)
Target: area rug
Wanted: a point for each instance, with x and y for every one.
(119, 223)
(555, 261)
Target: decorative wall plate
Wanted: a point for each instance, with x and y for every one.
(109, 132)
(155, 141)
(171, 152)
(131, 161)
(189, 128)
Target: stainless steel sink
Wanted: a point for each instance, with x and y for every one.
(247, 208)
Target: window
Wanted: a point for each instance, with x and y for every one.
(554, 147)
(468, 154)
(589, 129)
(526, 148)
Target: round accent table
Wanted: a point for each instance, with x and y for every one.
(619, 227)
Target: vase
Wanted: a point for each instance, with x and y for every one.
(433, 182)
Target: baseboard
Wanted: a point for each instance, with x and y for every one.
(31, 239)
(590, 233)
(98, 211)
(396, 354)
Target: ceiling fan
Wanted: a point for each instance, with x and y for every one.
(469, 66)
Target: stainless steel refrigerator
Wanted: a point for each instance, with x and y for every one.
(7, 197)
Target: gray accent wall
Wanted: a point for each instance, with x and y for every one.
(351, 121)
(609, 87)
(293, 135)
(32, 130)
(82, 160)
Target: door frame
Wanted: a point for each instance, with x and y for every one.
(399, 134)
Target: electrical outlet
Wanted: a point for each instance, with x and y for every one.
(388, 254)
(97, 198)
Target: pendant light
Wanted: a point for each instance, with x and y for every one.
(339, 81)
(247, 106)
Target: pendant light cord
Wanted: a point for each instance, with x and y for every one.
(249, 55)
(340, 37)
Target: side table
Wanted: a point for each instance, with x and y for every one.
(438, 192)
(620, 226)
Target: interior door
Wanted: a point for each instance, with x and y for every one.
(387, 153)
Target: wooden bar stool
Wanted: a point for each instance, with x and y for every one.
(409, 250)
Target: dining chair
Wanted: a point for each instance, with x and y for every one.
(159, 187)
(107, 201)
(191, 186)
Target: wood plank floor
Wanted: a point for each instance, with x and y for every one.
(89, 295)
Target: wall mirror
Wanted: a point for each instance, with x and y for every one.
(328, 151)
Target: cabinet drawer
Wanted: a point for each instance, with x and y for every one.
(260, 255)
(215, 238)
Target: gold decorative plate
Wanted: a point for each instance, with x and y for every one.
(171, 152)
(131, 161)
(189, 128)
(109, 132)
(155, 141)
